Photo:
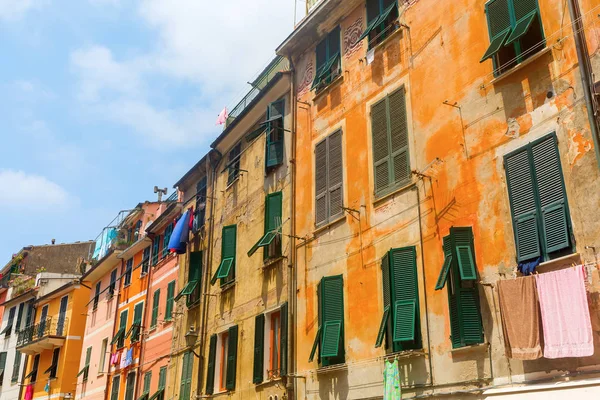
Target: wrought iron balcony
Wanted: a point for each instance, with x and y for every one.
(44, 335)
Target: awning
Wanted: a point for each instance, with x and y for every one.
(158, 393)
(179, 237)
(187, 289)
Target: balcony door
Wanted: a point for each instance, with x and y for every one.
(62, 315)
(42, 325)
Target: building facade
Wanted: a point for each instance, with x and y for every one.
(432, 163)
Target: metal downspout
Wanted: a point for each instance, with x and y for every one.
(206, 271)
(292, 271)
(584, 71)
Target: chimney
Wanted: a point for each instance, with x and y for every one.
(53, 241)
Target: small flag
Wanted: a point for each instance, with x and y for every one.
(222, 118)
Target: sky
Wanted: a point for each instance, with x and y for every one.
(101, 100)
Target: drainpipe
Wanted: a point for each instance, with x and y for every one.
(206, 271)
(583, 59)
(109, 376)
(292, 271)
(143, 342)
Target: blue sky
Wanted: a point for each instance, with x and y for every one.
(100, 100)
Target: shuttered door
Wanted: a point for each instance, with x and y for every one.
(335, 175)
(186, 376)
(283, 350)
(210, 370)
(259, 355)
(399, 136)
(472, 328)
(332, 309)
(273, 220)
(321, 183)
(404, 299)
(228, 249)
(522, 194)
(275, 136)
(231, 358)
(114, 391)
(130, 386)
(552, 196)
(381, 152)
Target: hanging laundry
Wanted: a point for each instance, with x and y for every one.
(528, 267)
(180, 235)
(47, 387)
(391, 381)
(222, 118)
(370, 56)
(29, 392)
(565, 313)
(115, 358)
(126, 358)
(520, 318)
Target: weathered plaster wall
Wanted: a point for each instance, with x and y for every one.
(436, 59)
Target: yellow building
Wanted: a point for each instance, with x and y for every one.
(53, 343)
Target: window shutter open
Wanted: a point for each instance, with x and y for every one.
(383, 326)
(155, 304)
(228, 245)
(522, 194)
(387, 301)
(399, 136)
(283, 350)
(210, 370)
(552, 196)
(464, 251)
(332, 319)
(275, 133)
(321, 182)
(404, 290)
(472, 328)
(259, 340)
(273, 211)
(381, 156)
(170, 299)
(335, 174)
(313, 351)
(526, 12)
(443, 277)
(499, 26)
(231, 358)
(186, 376)
(332, 331)
(455, 335)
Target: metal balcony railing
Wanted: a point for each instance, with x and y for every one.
(52, 326)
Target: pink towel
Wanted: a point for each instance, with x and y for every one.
(565, 313)
(29, 392)
(222, 118)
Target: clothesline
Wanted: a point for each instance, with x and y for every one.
(514, 275)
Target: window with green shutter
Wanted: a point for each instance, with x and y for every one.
(283, 350)
(147, 382)
(400, 323)
(328, 60)
(232, 337)
(192, 288)
(270, 241)
(16, 367)
(233, 163)
(259, 348)
(382, 20)
(329, 179)
(210, 369)
(96, 295)
(136, 325)
(389, 129)
(538, 201)
(130, 386)
(330, 335)
(166, 238)
(119, 338)
(226, 270)
(170, 301)
(162, 378)
(155, 304)
(459, 270)
(515, 30)
(114, 390)
(145, 261)
(2, 366)
(128, 272)
(275, 134)
(155, 249)
(186, 376)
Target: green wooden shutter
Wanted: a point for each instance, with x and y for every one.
(381, 152)
(404, 293)
(499, 26)
(231, 358)
(155, 304)
(552, 195)
(321, 182)
(332, 319)
(147, 382)
(399, 136)
(315, 344)
(455, 335)
(170, 298)
(194, 272)
(130, 386)
(162, 378)
(88, 358)
(335, 175)
(464, 250)
(114, 390)
(472, 328)
(522, 194)
(526, 12)
(259, 342)
(186, 376)
(123, 326)
(443, 277)
(385, 326)
(228, 247)
(275, 133)
(273, 218)
(283, 349)
(2, 364)
(137, 321)
(210, 370)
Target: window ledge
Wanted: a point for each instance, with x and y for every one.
(377, 201)
(336, 82)
(268, 382)
(472, 347)
(522, 65)
(272, 261)
(228, 286)
(328, 225)
(332, 368)
(560, 262)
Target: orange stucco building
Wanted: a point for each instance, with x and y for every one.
(408, 125)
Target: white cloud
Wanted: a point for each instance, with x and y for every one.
(213, 48)
(15, 9)
(27, 191)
